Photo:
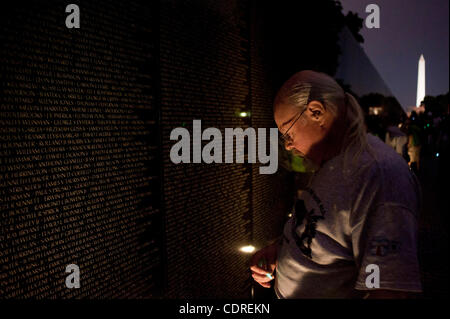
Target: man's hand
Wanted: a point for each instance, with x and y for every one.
(263, 263)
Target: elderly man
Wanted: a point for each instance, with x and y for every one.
(353, 230)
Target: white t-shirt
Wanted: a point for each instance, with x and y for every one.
(340, 225)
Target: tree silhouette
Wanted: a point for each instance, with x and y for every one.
(355, 24)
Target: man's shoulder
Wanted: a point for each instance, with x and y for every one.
(380, 166)
(392, 175)
(386, 160)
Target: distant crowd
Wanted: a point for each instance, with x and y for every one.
(419, 136)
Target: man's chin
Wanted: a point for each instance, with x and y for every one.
(298, 153)
(310, 165)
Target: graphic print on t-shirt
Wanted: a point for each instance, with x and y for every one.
(300, 214)
(380, 246)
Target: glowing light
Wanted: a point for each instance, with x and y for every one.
(420, 81)
(243, 114)
(437, 154)
(247, 249)
(375, 110)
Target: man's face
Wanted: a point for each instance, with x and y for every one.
(307, 134)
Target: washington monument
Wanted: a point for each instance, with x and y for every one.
(421, 81)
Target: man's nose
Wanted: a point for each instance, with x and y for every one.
(288, 145)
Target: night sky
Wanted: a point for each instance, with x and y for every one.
(408, 28)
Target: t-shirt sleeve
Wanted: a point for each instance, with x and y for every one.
(385, 229)
(388, 250)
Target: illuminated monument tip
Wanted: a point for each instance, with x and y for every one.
(421, 81)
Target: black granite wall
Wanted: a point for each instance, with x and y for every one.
(86, 116)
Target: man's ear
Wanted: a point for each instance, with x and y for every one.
(316, 111)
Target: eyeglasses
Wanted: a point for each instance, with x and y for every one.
(285, 138)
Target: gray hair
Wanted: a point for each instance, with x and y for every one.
(307, 85)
